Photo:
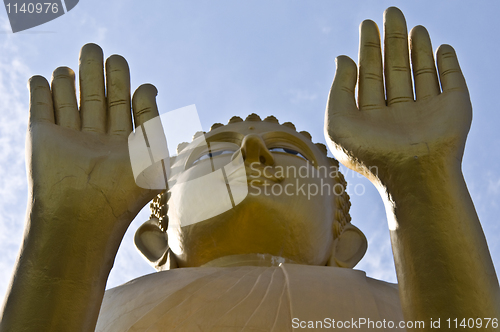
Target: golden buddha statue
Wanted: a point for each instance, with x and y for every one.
(264, 262)
(275, 261)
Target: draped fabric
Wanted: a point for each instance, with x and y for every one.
(247, 298)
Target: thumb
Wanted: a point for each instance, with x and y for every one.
(341, 98)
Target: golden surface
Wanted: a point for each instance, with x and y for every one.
(83, 197)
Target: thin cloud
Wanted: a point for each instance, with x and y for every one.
(299, 96)
(14, 110)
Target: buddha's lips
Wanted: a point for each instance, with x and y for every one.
(254, 175)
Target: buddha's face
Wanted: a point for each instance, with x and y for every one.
(284, 213)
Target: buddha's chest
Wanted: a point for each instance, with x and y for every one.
(246, 299)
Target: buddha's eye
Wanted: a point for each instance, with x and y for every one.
(213, 154)
(288, 151)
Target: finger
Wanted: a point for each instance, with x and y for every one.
(118, 96)
(92, 98)
(341, 97)
(424, 68)
(41, 108)
(450, 73)
(371, 83)
(144, 104)
(64, 97)
(396, 56)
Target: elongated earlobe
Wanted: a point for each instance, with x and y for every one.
(348, 248)
(151, 241)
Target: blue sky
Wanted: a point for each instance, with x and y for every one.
(238, 57)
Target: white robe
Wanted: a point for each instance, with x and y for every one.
(250, 298)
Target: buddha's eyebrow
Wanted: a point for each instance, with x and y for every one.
(236, 137)
(291, 139)
(226, 136)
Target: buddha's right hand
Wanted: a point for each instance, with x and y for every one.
(78, 161)
(82, 194)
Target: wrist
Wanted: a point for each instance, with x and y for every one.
(68, 209)
(59, 233)
(417, 176)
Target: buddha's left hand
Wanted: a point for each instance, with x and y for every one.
(390, 130)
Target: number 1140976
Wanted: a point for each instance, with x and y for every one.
(31, 8)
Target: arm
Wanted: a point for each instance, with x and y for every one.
(443, 264)
(411, 150)
(82, 194)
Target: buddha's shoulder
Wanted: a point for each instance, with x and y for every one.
(256, 297)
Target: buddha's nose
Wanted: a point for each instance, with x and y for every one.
(254, 150)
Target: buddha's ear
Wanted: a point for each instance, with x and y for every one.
(348, 248)
(150, 240)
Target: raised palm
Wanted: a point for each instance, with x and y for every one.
(388, 130)
(78, 159)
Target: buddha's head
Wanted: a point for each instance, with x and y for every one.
(296, 209)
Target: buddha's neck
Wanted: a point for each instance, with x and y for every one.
(248, 260)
